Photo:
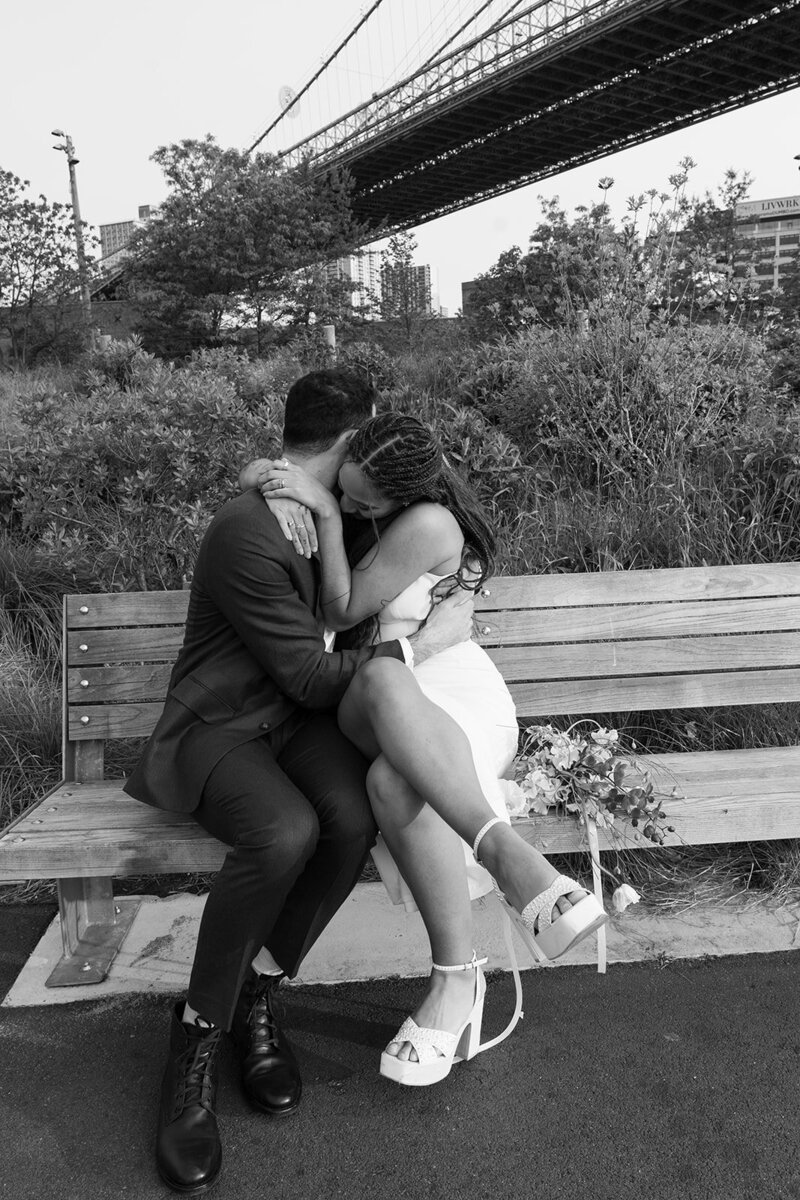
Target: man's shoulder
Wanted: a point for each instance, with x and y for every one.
(243, 526)
(245, 511)
(247, 504)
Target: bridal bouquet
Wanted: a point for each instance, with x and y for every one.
(584, 771)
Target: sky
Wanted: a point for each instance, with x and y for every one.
(123, 79)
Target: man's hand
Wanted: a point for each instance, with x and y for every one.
(449, 623)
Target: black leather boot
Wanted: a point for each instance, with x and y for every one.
(188, 1151)
(270, 1075)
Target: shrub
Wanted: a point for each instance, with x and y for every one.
(256, 382)
(372, 360)
(120, 485)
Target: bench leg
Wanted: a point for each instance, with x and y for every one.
(93, 927)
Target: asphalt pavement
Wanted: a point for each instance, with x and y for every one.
(676, 1081)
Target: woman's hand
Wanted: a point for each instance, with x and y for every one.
(297, 524)
(254, 474)
(285, 480)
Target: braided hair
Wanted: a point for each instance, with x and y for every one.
(404, 459)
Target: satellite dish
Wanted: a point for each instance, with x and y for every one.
(286, 96)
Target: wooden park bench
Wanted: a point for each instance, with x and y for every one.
(611, 642)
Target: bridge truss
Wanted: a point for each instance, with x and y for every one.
(561, 83)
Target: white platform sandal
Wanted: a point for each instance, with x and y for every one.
(436, 1049)
(545, 938)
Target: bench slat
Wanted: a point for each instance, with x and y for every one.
(532, 699)
(631, 587)
(517, 664)
(127, 609)
(101, 831)
(631, 621)
(118, 683)
(657, 656)
(103, 646)
(94, 829)
(113, 720)
(664, 692)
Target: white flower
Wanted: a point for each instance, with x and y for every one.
(540, 789)
(605, 737)
(515, 799)
(623, 896)
(564, 753)
(601, 754)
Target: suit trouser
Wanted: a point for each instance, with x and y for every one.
(292, 806)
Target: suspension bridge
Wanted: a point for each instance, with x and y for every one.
(492, 95)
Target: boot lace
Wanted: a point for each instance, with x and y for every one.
(196, 1081)
(261, 1016)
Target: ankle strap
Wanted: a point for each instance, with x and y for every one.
(467, 966)
(482, 831)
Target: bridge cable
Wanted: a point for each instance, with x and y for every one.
(315, 77)
(437, 53)
(497, 24)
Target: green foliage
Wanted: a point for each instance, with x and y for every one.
(671, 255)
(373, 360)
(119, 484)
(30, 725)
(405, 302)
(39, 314)
(109, 478)
(234, 246)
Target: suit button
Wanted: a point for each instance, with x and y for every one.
(264, 725)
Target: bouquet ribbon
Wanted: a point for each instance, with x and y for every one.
(594, 851)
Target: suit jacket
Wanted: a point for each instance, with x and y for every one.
(253, 652)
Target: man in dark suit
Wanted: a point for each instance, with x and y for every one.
(248, 743)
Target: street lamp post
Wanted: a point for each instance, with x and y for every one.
(68, 147)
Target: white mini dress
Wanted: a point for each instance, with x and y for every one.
(463, 681)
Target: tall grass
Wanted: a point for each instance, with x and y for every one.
(30, 711)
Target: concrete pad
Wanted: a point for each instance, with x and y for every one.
(372, 939)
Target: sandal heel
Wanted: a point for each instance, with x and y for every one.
(437, 1049)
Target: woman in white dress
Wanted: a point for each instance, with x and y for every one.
(448, 733)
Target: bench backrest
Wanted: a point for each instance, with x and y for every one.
(603, 642)
(627, 641)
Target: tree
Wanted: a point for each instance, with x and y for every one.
(39, 282)
(406, 301)
(232, 245)
(711, 259)
(521, 289)
(670, 254)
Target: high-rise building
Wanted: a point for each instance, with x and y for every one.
(364, 270)
(114, 238)
(773, 228)
(406, 289)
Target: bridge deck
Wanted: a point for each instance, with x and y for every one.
(644, 70)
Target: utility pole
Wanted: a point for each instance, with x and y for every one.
(68, 147)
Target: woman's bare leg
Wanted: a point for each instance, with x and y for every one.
(430, 857)
(384, 711)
